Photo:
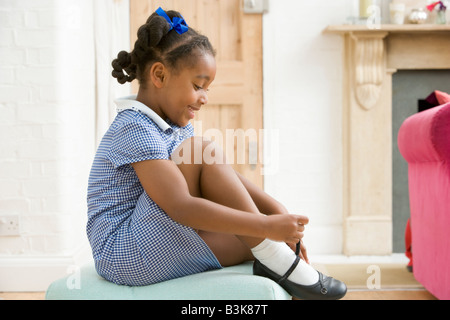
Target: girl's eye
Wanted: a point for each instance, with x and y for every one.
(197, 88)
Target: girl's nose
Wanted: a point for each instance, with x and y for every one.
(203, 99)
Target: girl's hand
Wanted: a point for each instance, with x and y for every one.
(286, 228)
(299, 225)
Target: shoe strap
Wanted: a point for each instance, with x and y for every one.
(294, 265)
(297, 249)
(291, 269)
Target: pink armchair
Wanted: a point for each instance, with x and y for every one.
(424, 142)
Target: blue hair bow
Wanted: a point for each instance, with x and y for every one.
(179, 24)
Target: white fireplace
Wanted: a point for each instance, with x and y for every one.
(371, 58)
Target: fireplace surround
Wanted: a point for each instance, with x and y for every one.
(371, 57)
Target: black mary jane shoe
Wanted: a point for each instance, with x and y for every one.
(327, 288)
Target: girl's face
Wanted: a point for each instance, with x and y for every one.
(185, 91)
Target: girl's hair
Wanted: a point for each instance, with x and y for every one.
(157, 43)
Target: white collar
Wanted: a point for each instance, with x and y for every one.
(130, 103)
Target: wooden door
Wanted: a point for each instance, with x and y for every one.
(233, 116)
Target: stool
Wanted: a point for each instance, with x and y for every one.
(231, 283)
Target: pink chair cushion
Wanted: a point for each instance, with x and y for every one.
(425, 136)
(442, 97)
(438, 98)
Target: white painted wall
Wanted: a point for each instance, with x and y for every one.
(303, 100)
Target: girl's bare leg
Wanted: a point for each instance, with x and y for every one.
(218, 183)
(228, 249)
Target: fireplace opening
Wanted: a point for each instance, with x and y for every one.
(410, 89)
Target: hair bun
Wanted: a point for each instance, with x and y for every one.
(123, 69)
(153, 31)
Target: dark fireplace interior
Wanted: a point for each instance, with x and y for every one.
(411, 88)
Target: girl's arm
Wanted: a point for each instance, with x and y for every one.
(166, 185)
(265, 203)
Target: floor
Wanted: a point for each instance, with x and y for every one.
(351, 295)
(22, 295)
(389, 295)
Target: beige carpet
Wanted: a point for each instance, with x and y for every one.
(371, 276)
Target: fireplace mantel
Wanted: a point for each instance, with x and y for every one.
(371, 57)
(392, 28)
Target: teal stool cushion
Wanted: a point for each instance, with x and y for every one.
(231, 283)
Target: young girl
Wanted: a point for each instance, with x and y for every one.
(158, 211)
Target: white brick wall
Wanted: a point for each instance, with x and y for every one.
(48, 103)
(47, 109)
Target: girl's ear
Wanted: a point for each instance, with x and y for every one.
(158, 74)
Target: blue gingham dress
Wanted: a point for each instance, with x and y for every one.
(134, 242)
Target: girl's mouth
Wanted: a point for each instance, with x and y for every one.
(192, 111)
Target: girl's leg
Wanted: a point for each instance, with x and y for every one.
(228, 249)
(219, 183)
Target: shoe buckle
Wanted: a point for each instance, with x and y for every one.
(323, 290)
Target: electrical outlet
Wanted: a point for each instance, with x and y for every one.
(9, 226)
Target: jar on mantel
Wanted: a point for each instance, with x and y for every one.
(418, 16)
(441, 18)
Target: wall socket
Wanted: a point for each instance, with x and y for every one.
(9, 226)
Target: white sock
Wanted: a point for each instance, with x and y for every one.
(278, 257)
